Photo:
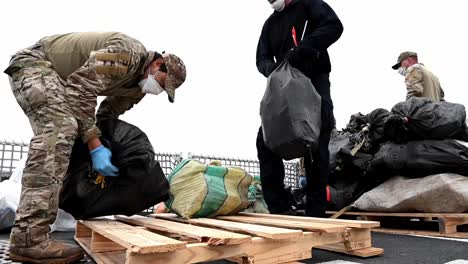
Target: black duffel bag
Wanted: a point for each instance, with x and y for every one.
(141, 182)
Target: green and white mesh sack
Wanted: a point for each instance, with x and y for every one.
(201, 190)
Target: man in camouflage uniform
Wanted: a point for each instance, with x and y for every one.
(56, 82)
(420, 82)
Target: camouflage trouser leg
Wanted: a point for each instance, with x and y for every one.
(39, 92)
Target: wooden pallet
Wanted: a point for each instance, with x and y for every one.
(448, 225)
(244, 238)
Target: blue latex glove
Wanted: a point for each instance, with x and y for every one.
(101, 157)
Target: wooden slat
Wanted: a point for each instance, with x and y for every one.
(348, 223)
(256, 230)
(448, 225)
(101, 243)
(404, 214)
(317, 227)
(82, 230)
(357, 238)
(363, 253)
(201, 234)
(134, 239)
(116, 257)
(261, 249)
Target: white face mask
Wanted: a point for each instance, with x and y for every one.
(402, 71)
(150, 85)
(278, 5)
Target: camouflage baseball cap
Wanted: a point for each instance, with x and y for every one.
(175, 74)
(402, 57)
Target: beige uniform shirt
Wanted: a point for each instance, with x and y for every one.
(420, 82)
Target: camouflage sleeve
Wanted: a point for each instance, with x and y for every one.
(414, 82)
(114, 106)
(103, 67)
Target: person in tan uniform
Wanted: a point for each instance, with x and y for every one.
(56, 82)
(420, 82)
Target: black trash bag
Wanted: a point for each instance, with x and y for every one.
(141, 182)
(346, 165)
(342, 194)
(463, 134)
(368, 130)
(419, 159)
(356, 122)
(291, 113)
(354, 165)
(377, 120)
(421, 118)
(338, 140)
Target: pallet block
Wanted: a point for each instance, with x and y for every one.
(448, 224)
(250, 238)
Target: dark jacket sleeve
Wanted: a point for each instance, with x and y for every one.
(327, 28)
(265, 61)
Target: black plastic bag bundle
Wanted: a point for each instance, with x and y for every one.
(344, 164)
(368, 130)
(341, 195)
(420, 158)
(291, 113)
(338, 141)
(421, 118)
(141, 182)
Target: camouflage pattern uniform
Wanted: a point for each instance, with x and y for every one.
(420, 82)
(56, 82)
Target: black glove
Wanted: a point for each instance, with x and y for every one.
(294, 58)
(273, 67)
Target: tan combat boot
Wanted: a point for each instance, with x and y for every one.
(26, 249)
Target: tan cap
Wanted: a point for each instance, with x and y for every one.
(176, 74)
(402, 57)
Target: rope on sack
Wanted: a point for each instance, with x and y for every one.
(100, 180)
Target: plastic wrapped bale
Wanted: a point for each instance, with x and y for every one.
(141, 182)
(201, 190)
(440, 193)
(290, 112)
(421, 118)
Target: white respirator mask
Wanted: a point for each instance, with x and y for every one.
(278, 5)
(402, 71)
(150, 85)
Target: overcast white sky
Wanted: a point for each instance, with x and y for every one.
(217, 109)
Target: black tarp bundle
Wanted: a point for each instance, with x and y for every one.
(421, 118)
(367, 131)
(344, 164)
(365, 155)
(141, 182)
(290, 112)
(421, 158)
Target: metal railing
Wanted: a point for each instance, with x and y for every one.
(168, 161)
(291, 169)
(11, 152)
